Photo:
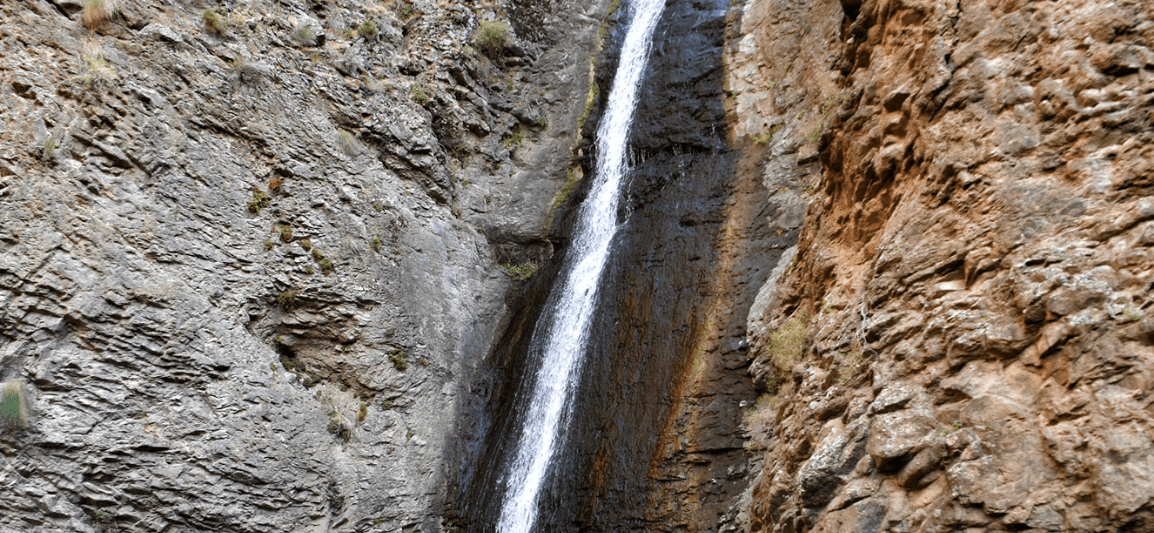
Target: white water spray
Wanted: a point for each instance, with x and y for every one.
(563, 344)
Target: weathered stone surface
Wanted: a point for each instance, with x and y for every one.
(247, 275)
(974, 264)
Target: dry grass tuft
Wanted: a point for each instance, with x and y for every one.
(97, 12)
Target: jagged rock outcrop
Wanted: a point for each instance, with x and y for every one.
(249, 256)
(964, 340)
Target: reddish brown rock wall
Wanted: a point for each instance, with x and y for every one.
(974, 271)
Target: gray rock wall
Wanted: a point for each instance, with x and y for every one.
(246, 275)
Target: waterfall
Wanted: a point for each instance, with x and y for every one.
(560, 339)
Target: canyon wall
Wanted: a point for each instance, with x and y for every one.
(963, 339)
(250, 252)
(251, 266)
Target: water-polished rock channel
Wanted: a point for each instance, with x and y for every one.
(648, 320)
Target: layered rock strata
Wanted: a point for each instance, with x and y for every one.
(249, 251)
(964, 339)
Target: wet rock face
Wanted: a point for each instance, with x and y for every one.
(974, 272)
(247, 263)
(653, 445)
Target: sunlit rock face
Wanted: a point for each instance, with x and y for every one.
(972, 283)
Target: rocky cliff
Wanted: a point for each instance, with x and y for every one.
(964, 339)
(261, 263)
(250, 251)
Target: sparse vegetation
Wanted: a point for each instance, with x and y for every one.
(214, 23)
(268, 245)
(97, 12)
(303, 35)
(397, 358)
(286, 299)
(787, 342)
(49, 149)
(98, 75)
(13, 411)
(418, 95)
(324, 263)
(492, 37)
(377, 241)
(514, 139)
(764, 137)
(247, 72)
(761, 413)
(590, 97)
(338, 428)
(274, 185)
(852, 362)
(260, 200)
(367, 29)
(285, 231)
(571, 181)
(306, 244)
(363, 412)
(405, 10)
(347, 142)
(520, 272)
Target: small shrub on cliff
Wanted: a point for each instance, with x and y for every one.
(787, 342)
(13, 411)
(97, 12)
(367, 29)
(214, 23)
(326, 266)
(98, 75)
(520, 272)
(397, 358)
(405, 10)
(286, 299)
(417, 93)
(492, 37)
(338, 428)
(260, 200)
(514, 139)
(285, 231)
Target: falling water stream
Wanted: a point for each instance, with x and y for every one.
(560, 340)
